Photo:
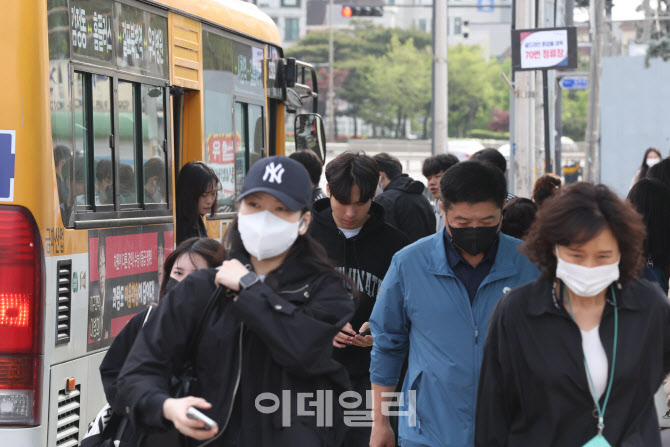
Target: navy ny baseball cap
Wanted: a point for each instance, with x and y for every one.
(282, 177)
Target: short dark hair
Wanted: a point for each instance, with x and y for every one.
(545, 186)
(351, 168)
(389, 165)
(518, 215)
(661, 171)
(193, 181)
(651, 198)
(577, 214)
(154, 167)
(311, 162)
(473, 182)
(103, 169)
(493, 156)
(211, 251)
(62, 153)
(436, 163)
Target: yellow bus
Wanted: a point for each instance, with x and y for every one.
(102, 102)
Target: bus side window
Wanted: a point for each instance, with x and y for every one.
(127, 150)
(81, 130)
(256, 134)
(153, 144)
(101, 88)
(241, 167)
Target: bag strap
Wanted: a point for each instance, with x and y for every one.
(197, 336)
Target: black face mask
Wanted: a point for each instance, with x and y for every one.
(474, 240)
(171, 284)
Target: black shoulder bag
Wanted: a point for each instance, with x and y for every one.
(183, 384)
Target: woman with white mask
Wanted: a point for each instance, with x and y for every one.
(574, 358)
(266, 346)
(652, 156)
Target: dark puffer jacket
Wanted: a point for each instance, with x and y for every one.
(407, 209)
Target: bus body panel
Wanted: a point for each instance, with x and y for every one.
(231, 14)
(79, 318)
(84, 403)
(27, 110)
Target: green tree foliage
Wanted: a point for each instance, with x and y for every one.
(388, 81)
(575, 109)
(475, 89)
(659, 44)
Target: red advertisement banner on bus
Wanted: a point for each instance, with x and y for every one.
(126, 269)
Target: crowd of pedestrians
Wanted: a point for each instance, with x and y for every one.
(369, 315)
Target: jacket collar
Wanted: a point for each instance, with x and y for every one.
(546, 301)
(503, 266)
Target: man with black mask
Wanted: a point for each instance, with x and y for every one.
(434, 304)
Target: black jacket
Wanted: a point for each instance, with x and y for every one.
(533, 387)
(111, 366)
(186, 231)
(407, 209)
(276, 336)
(364, 258)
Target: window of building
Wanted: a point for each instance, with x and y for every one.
(423, 25)
(458, 25)
(291, 29)
(291, 3)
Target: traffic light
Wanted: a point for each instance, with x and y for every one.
(466, 28)
(363, 11)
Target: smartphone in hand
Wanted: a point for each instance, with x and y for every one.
(195, 414)
(364, 333)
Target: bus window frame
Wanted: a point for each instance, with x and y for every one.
(260, 100)
(92, 216)
(245, 100)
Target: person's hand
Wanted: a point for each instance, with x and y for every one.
(382, 435)
(363, 341)
(175, 410)
(345, 337)
(230, 273)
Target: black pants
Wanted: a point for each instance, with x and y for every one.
(359, 436)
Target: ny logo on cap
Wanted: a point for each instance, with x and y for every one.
(274, 172)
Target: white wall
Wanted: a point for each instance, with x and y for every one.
(634, 115)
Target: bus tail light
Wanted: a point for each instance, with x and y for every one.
(21, 325)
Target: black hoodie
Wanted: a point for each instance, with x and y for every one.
(407, 209)
(364, 258)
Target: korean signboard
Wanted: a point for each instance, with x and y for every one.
(125, 268)
(543, 49)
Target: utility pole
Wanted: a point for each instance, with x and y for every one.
(440, 77)
(524, 111)
(331, 83)
(593, 119)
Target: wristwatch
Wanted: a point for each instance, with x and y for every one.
(248, 280)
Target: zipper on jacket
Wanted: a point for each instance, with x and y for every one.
(232, 404)
(294, 291)
(476, 334)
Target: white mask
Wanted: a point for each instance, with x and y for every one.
(586, 281)
(265, 235)
(652, 161)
